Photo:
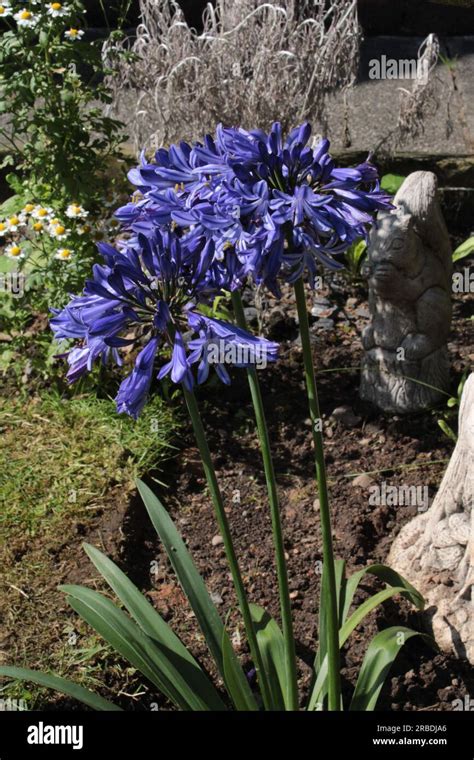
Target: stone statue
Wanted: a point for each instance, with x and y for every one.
(408, 266)
(435, 550)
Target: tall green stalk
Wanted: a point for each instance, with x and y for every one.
(285, 602)
(224, 530)
(328, 590)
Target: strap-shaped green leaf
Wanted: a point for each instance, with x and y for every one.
(163, 668)
(272, 648)
(320, 686)
(233, 682)
(397, 584)
(60, 684)
(153, 625)
(385, 574)
(195, 589)
(463, 250)
(379, 658)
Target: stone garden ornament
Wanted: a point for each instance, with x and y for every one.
(435, 550)
(405, 365)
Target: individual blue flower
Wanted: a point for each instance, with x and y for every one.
(179, 366)
(133, 391)
(220, 344)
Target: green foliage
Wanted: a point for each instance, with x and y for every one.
(62, 685)
(199, 599)
(391, 183)
(354, 257)
(452, 408)
(346, 589)
(219, 308)
(66, 170)
(464, 250)
(86, 445)
(59, 139)
(272, 647)
(150, 646)
(381, 652)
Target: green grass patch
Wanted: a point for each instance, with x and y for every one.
(59, 457)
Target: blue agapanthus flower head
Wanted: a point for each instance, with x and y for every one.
(205, 218)
(150, 291)
(268, 206)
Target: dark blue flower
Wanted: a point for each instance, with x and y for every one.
(148, 292)
(134, 389)
(269, 206)
(220, 344)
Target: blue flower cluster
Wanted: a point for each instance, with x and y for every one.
(268, 208)
(204, 219)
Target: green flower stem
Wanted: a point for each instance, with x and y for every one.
(224, 530)
(285, 602)
(329, 578)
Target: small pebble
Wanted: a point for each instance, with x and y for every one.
(363, 481)
(217, 540)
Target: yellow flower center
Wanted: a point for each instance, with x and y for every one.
(60, 230)
(2, 10)
(2, 226)
(65, 253)
(56, 6)
(42, 212)
(15, 250)
(28, 208)
(73, 32)
(25, 15)
(37, 226)
(14, 220)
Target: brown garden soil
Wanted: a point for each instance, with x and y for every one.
(397, 450)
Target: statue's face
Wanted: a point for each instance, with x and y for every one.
(395, 253)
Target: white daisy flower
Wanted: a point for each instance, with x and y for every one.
(15, 222)
(14, 251)
(42, 213)
(26, 18)
(56, 10)
(38, 227)
(63, 254)
(75, 211)
(58, 231)
(5, 10)
(3, 229)
(74, 34)
(84, 229)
